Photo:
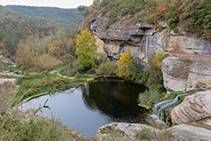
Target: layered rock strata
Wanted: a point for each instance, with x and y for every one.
(143, 39)
(193, 108)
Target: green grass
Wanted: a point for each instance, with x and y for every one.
(35, 85)
(18, 125)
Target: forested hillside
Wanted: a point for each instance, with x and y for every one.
(15, 27)
(68, 17)
(193, 17)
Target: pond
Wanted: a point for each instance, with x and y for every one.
(88, 107)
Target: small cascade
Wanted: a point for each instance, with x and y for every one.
(160, 107)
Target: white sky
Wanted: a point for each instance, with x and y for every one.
(50, 3)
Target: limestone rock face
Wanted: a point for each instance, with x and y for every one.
(193, 108)
(190, 133)
(172, 76)
(143, 39)
(184, 73)
(100, 44)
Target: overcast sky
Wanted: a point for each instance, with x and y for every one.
(51, 3)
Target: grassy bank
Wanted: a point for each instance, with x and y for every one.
(35, 85)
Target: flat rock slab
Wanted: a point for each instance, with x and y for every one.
(121, 131)
(131, 131)
(3, 80)
(190, 133)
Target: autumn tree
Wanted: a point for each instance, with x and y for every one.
(55, 48)
(128, 67)
(86, 48)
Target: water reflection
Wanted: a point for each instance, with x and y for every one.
(92, 105)
(116, 99)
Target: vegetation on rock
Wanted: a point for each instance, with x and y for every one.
(153, 79)
(191, 16)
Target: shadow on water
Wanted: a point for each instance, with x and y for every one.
(114, 98)
(94, 104)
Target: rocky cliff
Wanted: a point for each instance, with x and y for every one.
(144, 39)
(186, 71)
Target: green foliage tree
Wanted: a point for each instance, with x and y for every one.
(86, 48)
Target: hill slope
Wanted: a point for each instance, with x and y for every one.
(67, 17)
(15, 26)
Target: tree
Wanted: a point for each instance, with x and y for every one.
(55, 48)
(86, 48)
(128, 67)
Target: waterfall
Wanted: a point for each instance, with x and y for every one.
(160, 107)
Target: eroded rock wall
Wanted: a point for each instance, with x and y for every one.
(144, 40)
(184, 73)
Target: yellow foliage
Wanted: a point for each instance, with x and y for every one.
(158, 58)
(124, 63)
(55, 49)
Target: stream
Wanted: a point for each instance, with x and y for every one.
(92, 105)
(160, 107)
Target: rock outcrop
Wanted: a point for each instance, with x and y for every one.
(131, 131)
(190, 133)
(143, 39)
(193, 108)
(184, 73)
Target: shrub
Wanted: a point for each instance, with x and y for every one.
(98, 59)
(150, 97)
(108, 68)
(19, 125)
(151, 134)
(153, 79)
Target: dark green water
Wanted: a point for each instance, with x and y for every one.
(92, 105)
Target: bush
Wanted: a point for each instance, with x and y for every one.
(153, 79)
(108, 68)
(78, 67)
(150, 97)
(151, 134)
(98, 59)
(19, 125)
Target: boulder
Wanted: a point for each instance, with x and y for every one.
(190, 133)
(185, 73)
(122, 131)
(172, 68)
(193, 108)
(204, 82)
(131, 131)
